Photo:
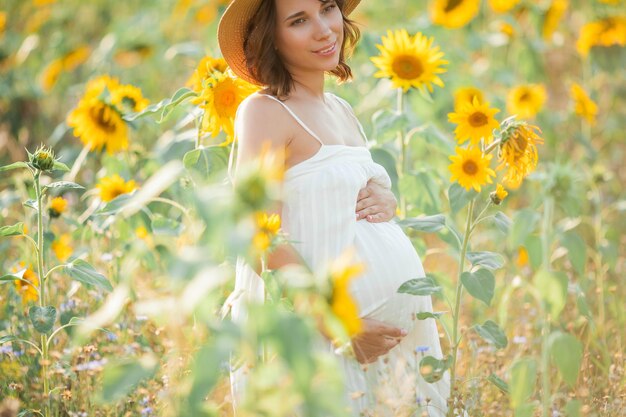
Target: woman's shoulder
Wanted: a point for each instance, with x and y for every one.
(258, 105)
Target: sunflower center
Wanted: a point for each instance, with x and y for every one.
(470, 167)
(226, 98)
(407, 67)
(102, 116)
(525, 96)
(451, 5)
(520, 143)
(129, 102)
(477, 119)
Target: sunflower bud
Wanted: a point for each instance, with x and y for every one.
(498, 195)
(43, 159)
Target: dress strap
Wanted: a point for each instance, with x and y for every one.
(349, 110)
(300, 122)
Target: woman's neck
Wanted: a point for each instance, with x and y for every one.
(310, 86)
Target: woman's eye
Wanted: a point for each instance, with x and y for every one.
(297, 22)
(329, 8)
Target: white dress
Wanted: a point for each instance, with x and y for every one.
(318, 215)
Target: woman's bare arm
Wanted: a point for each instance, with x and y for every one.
(255, 126)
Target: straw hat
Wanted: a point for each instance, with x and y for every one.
(231, 32)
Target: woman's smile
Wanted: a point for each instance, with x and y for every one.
(328, 50)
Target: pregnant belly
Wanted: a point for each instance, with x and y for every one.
(390, 260)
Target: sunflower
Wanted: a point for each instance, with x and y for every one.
(27, 290)
(3, 21)
(267, 228)
(501, 6)
(99, 125)
(498, 196)
(219, 100)
(583, 105)
(453, 14)
(526, 101)
(604, 32)
(128, 98)
(61, 247)
(507, 29)
(522, 257)
(466, 95)
(50, 75)
(518, 152)
(57, 206)
(342, 304)
(113, 186)
(474, 121)
(76, 57)
(97, 86)
(409, 61)
(205, 69)
(470, 167)
(553, 17)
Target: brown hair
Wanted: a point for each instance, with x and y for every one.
(265, 65)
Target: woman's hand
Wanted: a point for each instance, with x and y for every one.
(376, 339)
(375, 203)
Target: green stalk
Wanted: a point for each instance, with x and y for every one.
(42, 291)
(402, 170)
(546, 241)
(457, 301)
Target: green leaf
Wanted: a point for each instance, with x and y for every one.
(164, 226)
(82, 271)
(42, 318)
(490, 260)
(60, 166)
(432, 369)
(116, 205)
(387, 123)
(459, 197)
(553, 289)
(385, 158)
(425, 223)
(207, 160)
(576, 251)
(8, 278)
(567, 353)
(499, 383)
(420, 286)
(7, 339)
(121, 377)
(15, 230)
(523, 225)
(14, 165)
(428, 315)
(64, 185)
(534, 248)
(165, 106)
(492, 333)
(523, 381)
(503, 223)
(31, 204)
(480, 284)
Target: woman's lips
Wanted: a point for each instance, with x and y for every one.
(329, 50)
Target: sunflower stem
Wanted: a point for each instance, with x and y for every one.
(457, 302)
(402, 170)
(546, 236)
(42, 292)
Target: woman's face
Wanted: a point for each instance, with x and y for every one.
(309, 34)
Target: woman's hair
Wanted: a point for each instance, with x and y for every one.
(262, 59)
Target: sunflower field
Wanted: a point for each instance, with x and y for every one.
(500, 122)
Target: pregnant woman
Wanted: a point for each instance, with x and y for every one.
(287, 47)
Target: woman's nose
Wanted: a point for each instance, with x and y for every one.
(323, 29)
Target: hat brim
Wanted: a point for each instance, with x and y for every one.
(231, 32)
